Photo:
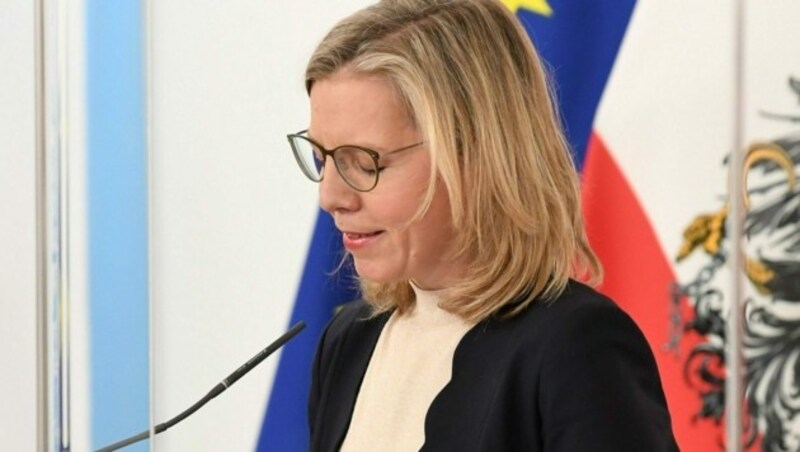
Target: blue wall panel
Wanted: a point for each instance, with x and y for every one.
(117, 187)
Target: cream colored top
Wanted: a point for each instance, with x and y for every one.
(410, 365)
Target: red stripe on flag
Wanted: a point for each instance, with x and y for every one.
(639, 277)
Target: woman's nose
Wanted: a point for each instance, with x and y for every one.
(334, 193)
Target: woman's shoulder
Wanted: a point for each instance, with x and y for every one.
(580, 317)
(353, 323)
(595, 357)
(582, 314)
(346, 315)
(576, 304)
(578, 298)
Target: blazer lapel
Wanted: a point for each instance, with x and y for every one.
(353, 355)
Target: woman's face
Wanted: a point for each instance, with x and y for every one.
(376, 226)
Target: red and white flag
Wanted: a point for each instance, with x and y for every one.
(656, 198)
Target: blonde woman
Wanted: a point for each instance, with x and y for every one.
(438, 152)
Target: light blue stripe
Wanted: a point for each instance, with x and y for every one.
(117, 186)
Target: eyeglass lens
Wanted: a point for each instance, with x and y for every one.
(356, 166)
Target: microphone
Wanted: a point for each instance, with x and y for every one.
(217, 390)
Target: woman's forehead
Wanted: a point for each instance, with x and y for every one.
(363, 109)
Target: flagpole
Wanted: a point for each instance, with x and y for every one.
(734, 382)
(42, 338)
(147, 62)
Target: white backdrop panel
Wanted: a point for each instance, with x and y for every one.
(17, 228)
(231, 214)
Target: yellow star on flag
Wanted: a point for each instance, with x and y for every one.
(536, 6)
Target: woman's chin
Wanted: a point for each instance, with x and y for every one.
(376, 273)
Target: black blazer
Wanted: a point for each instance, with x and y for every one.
(574, 374)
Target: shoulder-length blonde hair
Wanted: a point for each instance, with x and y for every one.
(476, 89)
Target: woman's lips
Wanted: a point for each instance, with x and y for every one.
(354, 241)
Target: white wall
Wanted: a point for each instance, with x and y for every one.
(231, 214)
(17, 228)
(772, 54)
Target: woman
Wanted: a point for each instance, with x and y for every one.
(440, 157)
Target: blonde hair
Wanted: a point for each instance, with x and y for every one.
(476, 89)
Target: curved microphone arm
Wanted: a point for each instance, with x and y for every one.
(215, 391)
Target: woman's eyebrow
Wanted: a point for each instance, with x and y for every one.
(372, 147)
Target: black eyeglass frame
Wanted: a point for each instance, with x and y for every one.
(331, 152)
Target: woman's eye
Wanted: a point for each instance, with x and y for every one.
(371, 170)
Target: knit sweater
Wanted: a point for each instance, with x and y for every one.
(410, 365)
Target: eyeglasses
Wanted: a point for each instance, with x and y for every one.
(357, 165)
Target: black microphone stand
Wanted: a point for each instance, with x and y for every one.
(217, 390)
